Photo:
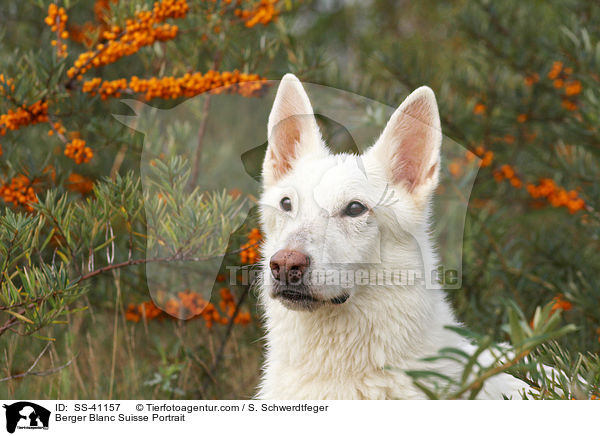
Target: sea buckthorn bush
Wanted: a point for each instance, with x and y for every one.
(73, 232)
(517, 85)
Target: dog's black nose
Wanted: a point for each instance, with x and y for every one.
(288, 266)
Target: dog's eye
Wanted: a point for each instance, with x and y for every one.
(286, 204)
(355, 209)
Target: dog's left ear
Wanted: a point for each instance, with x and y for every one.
(409, 147)
(292, 130)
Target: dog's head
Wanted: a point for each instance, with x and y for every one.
(324, 216)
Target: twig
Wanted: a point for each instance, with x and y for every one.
(40, 373)
(31, 302)
(131, 262)
(58, 36)
(37, 373)
(221, 350)
(62, 137)
(11, 321)
(70, 82)
(202, 132)
(7, 258)
(115, 334)
(119, 158)
(125, 264)
(490, 373)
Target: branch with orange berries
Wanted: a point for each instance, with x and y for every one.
(145, 28)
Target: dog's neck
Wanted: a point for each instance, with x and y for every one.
(378, 327)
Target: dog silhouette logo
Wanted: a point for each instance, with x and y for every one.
(26, 415)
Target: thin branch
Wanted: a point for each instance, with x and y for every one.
(30, 303)
(60, 136)
(39, 373)
(38, 358)
(221, 350)
(70, 82)
(177, 257)
(125, 264)
(10, 322)
(490, 373)
(34, 364)
(202, 131)
(7, 258)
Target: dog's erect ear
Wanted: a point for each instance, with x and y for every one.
(292, 130)
(409, 147)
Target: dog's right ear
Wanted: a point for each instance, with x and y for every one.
(292, 130)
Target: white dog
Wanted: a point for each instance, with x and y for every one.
(323, 213)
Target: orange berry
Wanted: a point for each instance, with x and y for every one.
(530, 80)
(516, 182)
(487, 159)
(573, 88)
(555, 71)
(507, 171)
(455, 168)
(479, 109)
(569, 105)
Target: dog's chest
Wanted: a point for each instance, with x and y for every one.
(374, 384)
(329, 360)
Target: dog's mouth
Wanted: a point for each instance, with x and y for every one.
(340, 299)
(296, 296)
(303, 298)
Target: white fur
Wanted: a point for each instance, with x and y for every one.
(361, 348)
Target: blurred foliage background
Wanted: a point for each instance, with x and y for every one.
(517, 85)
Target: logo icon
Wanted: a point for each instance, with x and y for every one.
(26, 415)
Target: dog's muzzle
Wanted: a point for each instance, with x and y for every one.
(288, 268)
